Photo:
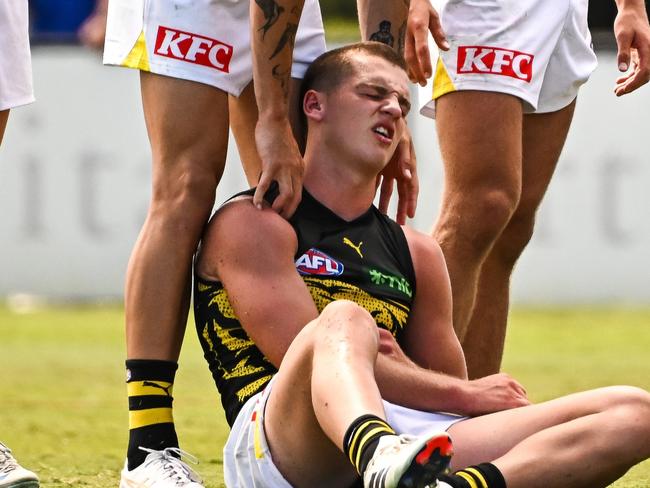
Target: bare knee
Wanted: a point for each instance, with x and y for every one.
(346, 319)
(184, 191)
(477, 218)
(514, 239)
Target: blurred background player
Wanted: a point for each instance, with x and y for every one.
(195, 63)
(308, 325)
(504, 94)
(15, 90)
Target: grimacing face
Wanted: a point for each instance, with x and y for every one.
(367, 112)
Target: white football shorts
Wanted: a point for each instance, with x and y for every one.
(207, 41)
(538, 51)
(247, 461)
(15, 60)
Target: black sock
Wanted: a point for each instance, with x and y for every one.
(151, 424)
(361, 439)
(484, 475)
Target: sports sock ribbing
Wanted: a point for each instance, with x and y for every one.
(151, 424)
(361, 439)
(484, 475)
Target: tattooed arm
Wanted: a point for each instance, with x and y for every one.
(385, 21)
(273, 31)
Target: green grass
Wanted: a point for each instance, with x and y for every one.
(63, 401)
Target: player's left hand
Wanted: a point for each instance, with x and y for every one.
(402, 169)
(633, 39)
(281, 162)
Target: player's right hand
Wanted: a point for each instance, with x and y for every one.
(422, 19)
(281, 162)
(495, 393)
(633, 40)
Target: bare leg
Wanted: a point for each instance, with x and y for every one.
(543, 139)
(325, 382)
(188, 129)
(480, 141)
(4, 116)
(584, 440)
(243, 118)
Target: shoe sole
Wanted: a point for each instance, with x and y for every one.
(429, 463)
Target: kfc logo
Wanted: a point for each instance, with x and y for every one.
(497, 61)
(193, 48)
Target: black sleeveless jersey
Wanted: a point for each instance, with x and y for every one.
(366, 261)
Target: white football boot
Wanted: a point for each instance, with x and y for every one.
(12, 474)
(162, 469)
(408, 462)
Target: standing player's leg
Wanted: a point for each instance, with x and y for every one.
(187, 123)
(543, 139)
(584, 440)
(480, 141)
(4, 116)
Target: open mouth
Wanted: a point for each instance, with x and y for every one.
(385, 133)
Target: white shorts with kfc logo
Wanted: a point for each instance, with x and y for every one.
(15, 61)
(207, 41)
(538, 51)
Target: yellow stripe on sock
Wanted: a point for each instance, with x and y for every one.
(140, 388)
(467, 478)
(365, 438)
(360, 429)
(138, 57)
(150, 416)
(442, 83)
(478, 474)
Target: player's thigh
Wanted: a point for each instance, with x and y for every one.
(4, 116)
(489, 437)
(187, 123)
(243, 118)
(479, 134)
(543, 138)
(300, 449)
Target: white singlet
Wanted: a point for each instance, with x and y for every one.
(207, 41)
(538, 51)
(15, 61)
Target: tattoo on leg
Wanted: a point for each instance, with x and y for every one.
(287, 37)
(271, 11)
(383, 34)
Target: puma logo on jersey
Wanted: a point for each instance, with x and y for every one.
(153, 384)
(315, 262)
(357, 248)
(185, 46)
(496, 61)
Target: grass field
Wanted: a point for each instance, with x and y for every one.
(63, 405)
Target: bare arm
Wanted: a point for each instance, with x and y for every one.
(255, 263)
(385, 22)
(633, 39)
(273, 30)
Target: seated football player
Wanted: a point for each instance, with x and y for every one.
(330, 336)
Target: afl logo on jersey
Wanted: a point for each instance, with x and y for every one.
(315, 262)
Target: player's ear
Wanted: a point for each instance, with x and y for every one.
(313, 105)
